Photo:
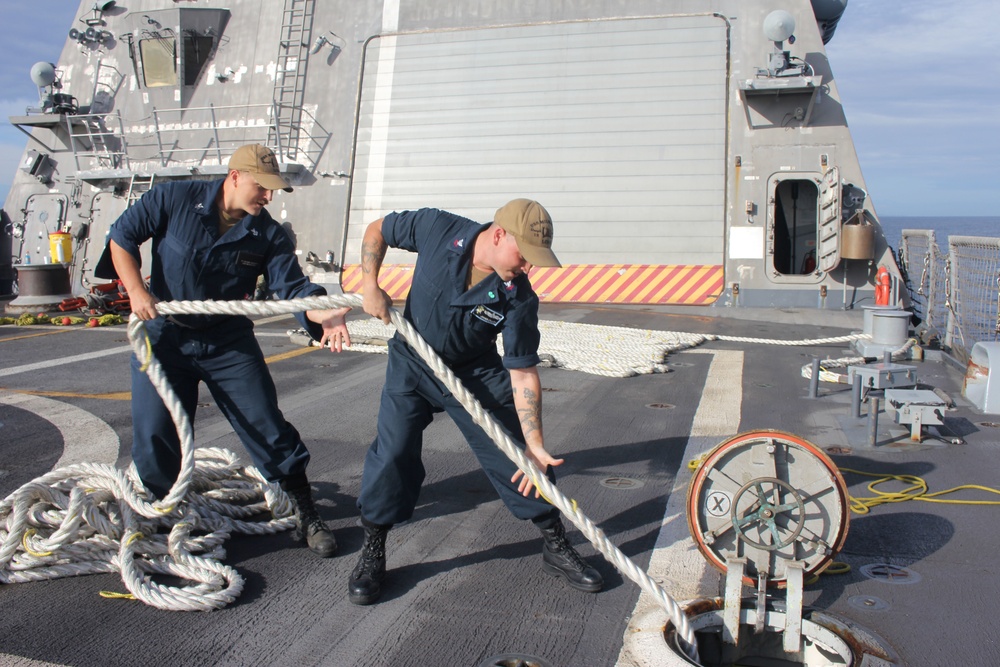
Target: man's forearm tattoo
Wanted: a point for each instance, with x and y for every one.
(531, 414)
(372, 254)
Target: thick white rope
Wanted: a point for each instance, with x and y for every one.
(828, 375)
(99, 519)
(486, 421)
(94, 518)
(599, 350)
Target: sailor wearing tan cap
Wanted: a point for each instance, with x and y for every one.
(212, 240)
(470, 285)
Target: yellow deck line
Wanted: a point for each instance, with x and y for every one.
(288, 355)
(34, 335)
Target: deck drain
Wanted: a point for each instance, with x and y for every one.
(514, 660)
(867, 603)
(838, 450)
(660, 406)
(890, 574)
(621, 483)
(990, 424)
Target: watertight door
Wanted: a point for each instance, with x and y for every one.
(828, 238)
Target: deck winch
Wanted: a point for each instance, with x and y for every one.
(769, 509)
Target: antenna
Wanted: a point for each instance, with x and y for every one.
(778, 27)
(43, 74)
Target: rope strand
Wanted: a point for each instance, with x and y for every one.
(90, 518)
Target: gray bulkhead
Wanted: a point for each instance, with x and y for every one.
(644, 127)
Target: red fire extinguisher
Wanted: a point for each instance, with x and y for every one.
(882, 286)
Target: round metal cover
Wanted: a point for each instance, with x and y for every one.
(890, 574)
(770, 497)
(514, 660)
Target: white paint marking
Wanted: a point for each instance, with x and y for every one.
(86, 438)
(18, 661)
(62, 361)
(382, 103)
(676, 564)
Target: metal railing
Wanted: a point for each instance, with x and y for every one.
(214, 139)
(191, 136)
(955, 295)
(99, 137)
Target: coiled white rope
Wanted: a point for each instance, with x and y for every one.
(596, 349)
(95, 518)
(92, 518)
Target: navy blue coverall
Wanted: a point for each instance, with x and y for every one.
(191, 262)
(462, 327)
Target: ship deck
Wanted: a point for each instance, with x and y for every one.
(465, 579)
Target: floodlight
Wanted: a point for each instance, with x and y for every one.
(320, 42)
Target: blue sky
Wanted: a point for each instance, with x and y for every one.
(919, 80)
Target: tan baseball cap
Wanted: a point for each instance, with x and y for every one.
(531, 226)
(262, 164)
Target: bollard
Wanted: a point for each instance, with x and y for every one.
(873, 406)
(814, 380)
(856, 397)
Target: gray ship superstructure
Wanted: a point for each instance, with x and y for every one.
(736, 364)
(692, 153)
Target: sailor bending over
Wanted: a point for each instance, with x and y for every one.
(470, 284)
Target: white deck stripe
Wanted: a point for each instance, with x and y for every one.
(676, 564)
(86, 438)
(62, 361)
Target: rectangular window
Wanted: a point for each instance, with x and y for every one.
(159, 61)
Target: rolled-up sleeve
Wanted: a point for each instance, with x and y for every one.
(416, 230)
(521, 335)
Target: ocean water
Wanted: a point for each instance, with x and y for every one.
(943, 227)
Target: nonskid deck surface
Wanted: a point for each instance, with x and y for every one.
(465, 580)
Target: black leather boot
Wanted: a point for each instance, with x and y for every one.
(560, 559)
(311, 528)
(365, 584)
